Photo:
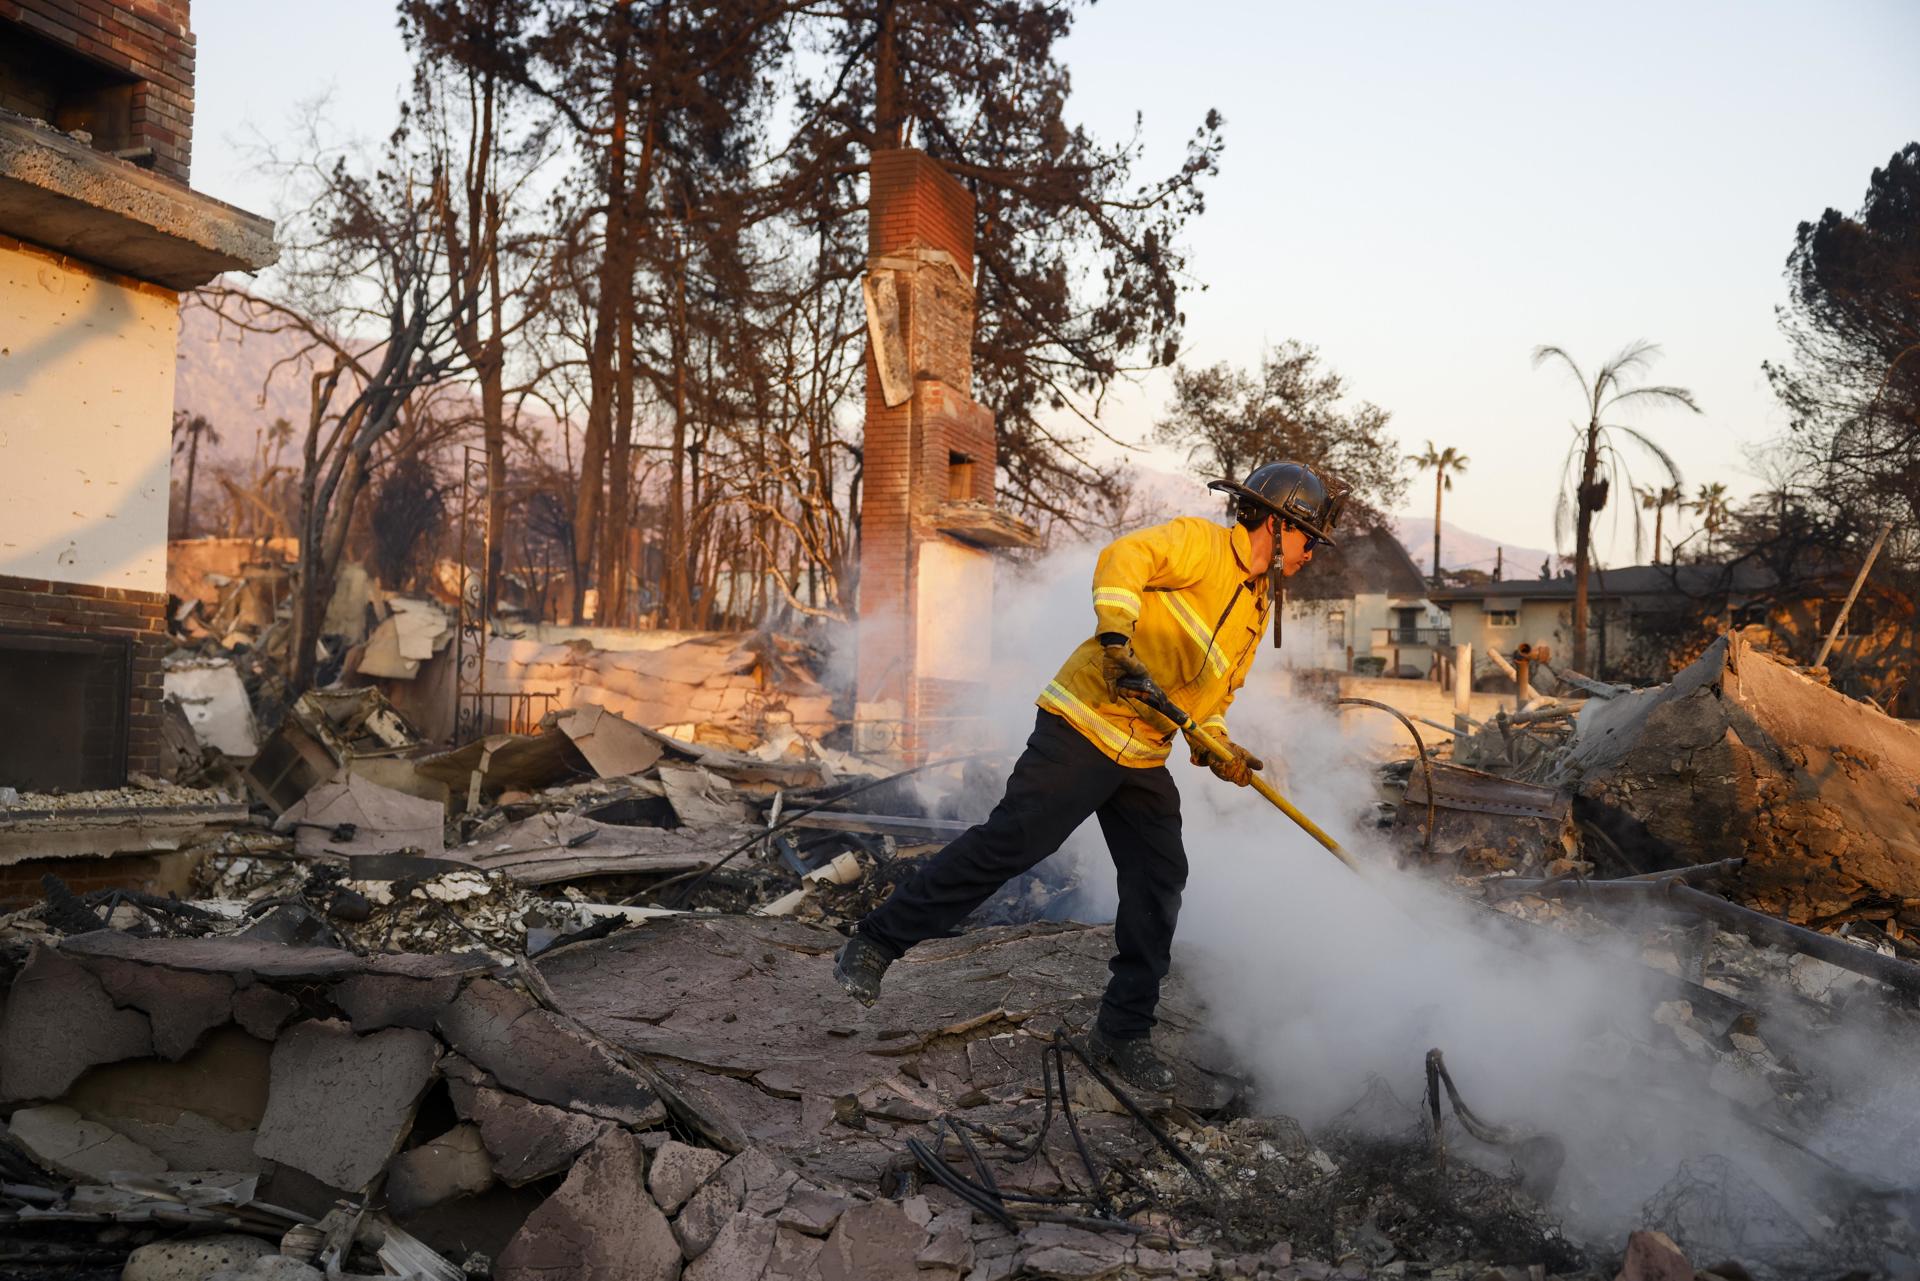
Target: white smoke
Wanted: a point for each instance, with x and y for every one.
(1321, 981)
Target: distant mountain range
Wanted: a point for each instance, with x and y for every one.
(219, 372)
(1464, 549)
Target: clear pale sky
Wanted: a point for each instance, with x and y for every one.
(1425, 191)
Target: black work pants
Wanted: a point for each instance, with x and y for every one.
(1059, 780)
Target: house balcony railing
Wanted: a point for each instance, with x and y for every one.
(1407, 637)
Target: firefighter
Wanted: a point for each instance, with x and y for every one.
(1184, 603)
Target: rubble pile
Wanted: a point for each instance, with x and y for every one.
(608, 1111)
(727, 690)
(1743, 756)
(559, 1003)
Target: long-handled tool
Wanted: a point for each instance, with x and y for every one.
(1149, 694)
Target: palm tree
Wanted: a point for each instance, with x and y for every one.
(1710, 505)
(1600, 458)
(188, 429)
(1444, 462)
(1656, 499)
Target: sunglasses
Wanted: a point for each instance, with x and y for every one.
(1314, 541)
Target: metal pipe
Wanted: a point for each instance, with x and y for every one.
(1426, 763)
(1859, 580)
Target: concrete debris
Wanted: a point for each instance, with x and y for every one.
(678, 1170)
(723, 690)
(455, 1164)
(412, 634)
(196, 1259)
(59, 1022)
(341, 1104)
(1652, 1256)
(215, 700)
(560, 1003)
(526, 1140)
(599, 1226)
(533, 1053)
(700, 797)
(63, 1141)
(612, 745)
(550, 848)
(349, 814)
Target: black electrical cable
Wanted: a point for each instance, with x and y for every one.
(986, 1195)
(1160, 1136)
(960, 1186)
(1097, 1193)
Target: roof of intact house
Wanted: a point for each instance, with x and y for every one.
(1739, 577)
(1369, 561)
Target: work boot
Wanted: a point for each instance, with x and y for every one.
(1133, 1058)
(860, 966)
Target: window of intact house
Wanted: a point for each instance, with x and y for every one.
(1861, 619)
(1503, 618)
(1336, 628)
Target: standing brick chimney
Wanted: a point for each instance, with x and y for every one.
(927, 520)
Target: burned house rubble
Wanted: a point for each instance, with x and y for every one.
(559, 1003)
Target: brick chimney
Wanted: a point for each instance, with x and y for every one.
(927, 520)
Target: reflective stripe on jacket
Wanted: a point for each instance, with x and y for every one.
(1182, 591)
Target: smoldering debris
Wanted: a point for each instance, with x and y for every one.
(585, 1025)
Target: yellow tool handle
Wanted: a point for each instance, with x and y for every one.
(1220, 752)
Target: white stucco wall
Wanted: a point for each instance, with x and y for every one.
(955, 592)
(86, 406)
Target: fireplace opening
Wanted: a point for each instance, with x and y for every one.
(67, 701)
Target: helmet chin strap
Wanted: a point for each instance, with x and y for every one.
(1277, 581)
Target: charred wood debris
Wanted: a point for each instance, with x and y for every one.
(558, 1004)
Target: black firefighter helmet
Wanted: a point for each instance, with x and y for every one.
(1292, 491)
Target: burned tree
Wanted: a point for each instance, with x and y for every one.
(189, 430)
(483, 149)
(408, 504)
(983, 91)
(363, 293)
(1851, 388)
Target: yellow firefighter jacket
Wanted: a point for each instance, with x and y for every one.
(1183, 592)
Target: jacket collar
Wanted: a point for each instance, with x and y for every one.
(1242, 544)
(1242, 547)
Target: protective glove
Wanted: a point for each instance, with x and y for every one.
(1238, 770)
(1117, 663)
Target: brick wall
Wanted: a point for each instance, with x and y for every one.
(147, 41)
(163, 873)
(27, 603)
(913, 202)
(950, 424)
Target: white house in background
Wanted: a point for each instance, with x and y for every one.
(1362, 606)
